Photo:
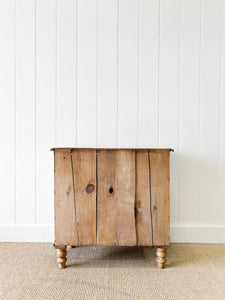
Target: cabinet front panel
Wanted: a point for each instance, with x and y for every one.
(142, 199)
(116, 198)
(112, 197)
(75, 197)
(84, 172)
(65, 222)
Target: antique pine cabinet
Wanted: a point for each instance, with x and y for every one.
(113, 197)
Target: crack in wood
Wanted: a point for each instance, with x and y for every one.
(150, 190)
(96, 194)
(135, 200)
(74, 201)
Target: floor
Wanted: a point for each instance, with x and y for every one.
(194, 271)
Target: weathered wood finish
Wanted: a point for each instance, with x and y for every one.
(112, 197)
(65, 221)
(142, 200)
(61, 257)
(161, 257)
(116, 198)
(84, 174)
(160, 206)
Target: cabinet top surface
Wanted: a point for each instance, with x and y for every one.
(77, 148)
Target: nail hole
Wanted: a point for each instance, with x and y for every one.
(111, 190)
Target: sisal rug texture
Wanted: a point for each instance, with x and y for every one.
(194, 271)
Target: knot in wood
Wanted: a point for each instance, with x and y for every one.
(90, 188)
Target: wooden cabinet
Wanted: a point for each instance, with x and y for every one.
(113, 197)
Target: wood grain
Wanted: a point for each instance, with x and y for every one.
(65, 223)
(142, 200)
(115, 210)
(108, 188)
(84, 168)
(161, 257)
(61, 257)
(159, 170)
(115, 149)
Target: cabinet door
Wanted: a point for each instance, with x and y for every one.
(75, 197)
(116, 197)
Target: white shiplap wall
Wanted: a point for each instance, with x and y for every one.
(112, 73)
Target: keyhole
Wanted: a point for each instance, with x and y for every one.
(111, 190)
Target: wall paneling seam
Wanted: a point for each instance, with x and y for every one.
(15, 140)
(117, 78)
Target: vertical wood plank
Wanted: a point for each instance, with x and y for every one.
(65, 208)
(159, 169)
(45, 108)
(210, 109)
(169, 93)
(107, 73)
(7, 112)
(189, 111)
(106, 201)
(66, 72)
(25, 111)
(116, 198)
(127, 72)
(142, 200)
(125, 186)
(148, 73)
(84, 168)
(87, 73)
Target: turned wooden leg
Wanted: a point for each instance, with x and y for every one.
(61, 257)
(161, 257)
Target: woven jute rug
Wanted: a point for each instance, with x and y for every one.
(194, 271)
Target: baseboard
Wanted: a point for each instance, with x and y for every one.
(194, 234)
(26, 233)
(45, 233)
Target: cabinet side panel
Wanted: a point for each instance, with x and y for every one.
(142, 200)
(116, 198)
(84, 167)
(159, 172)
(65, 221)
